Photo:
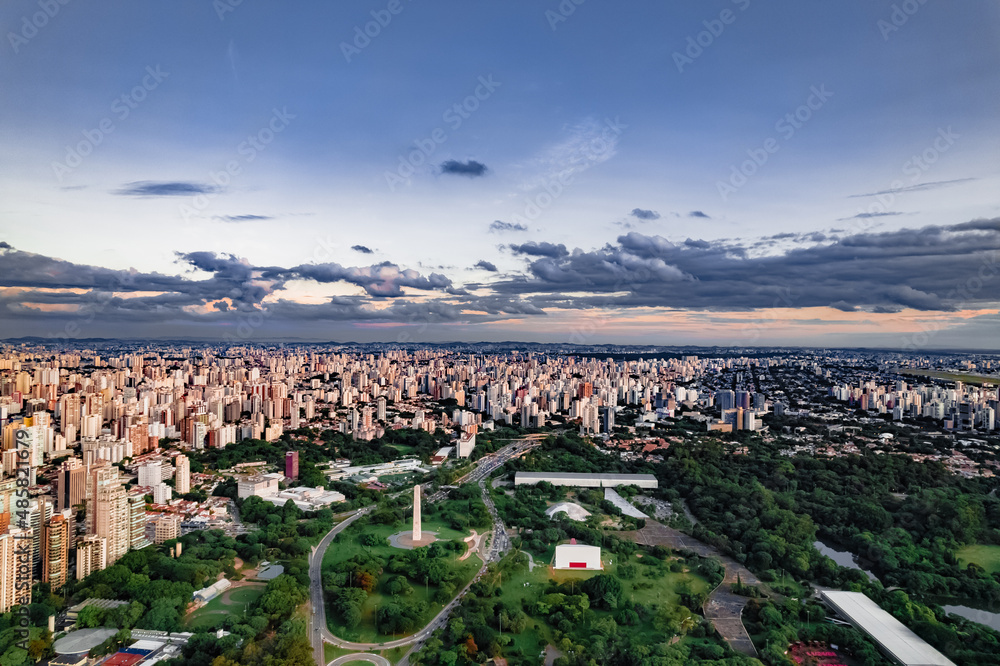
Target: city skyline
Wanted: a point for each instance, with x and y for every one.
(730, 174)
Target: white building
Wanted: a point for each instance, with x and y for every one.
(212, 591)
(262, 486)
(150, 474)
(586, 480)
(162, 493)
(577, 556)
(466, 442)
(894, 638)
(307, 499)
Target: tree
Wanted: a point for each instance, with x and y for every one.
(352, 616)
(604, 590)
(162, 616)
(627, 571)
(90, 617)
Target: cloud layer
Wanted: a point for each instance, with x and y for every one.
(932, 269)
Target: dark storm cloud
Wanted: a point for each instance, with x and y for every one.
(812, 237)
(914, 188)
(148, 188)
(923, 269)
(472, 168)
(645, 215)
(542, 249)
(934, 268)
(243, 218)
(504, 305)
(245, 285)
(363, 249)
(380, 280)
(498, 227)
(698, 213)
(486, 266)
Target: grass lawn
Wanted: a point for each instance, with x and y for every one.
(230, 602)
(953, 376)
(331, 652)
(988, 557)
(650, 586)
(346, 546)
(395, 654)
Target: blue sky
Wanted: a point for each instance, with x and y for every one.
(611, 108)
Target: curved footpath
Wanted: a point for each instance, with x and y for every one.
(319, 631)
(361, 656)
(723, 608)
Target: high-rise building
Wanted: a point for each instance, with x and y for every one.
(150, 474)
(162, 493)
(609, 419)
(292, 464)
(70, 484)
(91, 555)
(108, 514)
(182, 477)
(113, 520)
(7, 496)
(55, 551)
(167, 527)
(69, 413)
(99, 475)
(39, 512)
(10, 559)
(137, 521)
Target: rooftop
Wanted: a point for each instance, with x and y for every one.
(892, 635)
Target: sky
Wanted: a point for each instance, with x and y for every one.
(724, 172)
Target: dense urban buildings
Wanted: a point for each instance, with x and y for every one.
(112, 431)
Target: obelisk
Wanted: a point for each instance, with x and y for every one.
(416, 514)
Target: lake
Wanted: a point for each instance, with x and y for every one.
(990, 619)
(841, 557)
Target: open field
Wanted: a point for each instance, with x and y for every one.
(230, 602)
(651, 586)
(988, 557)
(331, 652)
(951, 376)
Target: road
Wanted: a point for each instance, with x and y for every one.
(499, 543)
(317, 618)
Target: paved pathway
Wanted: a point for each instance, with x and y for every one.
(317, 619)
(360, 656)
(723, 608)
(498, 544)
